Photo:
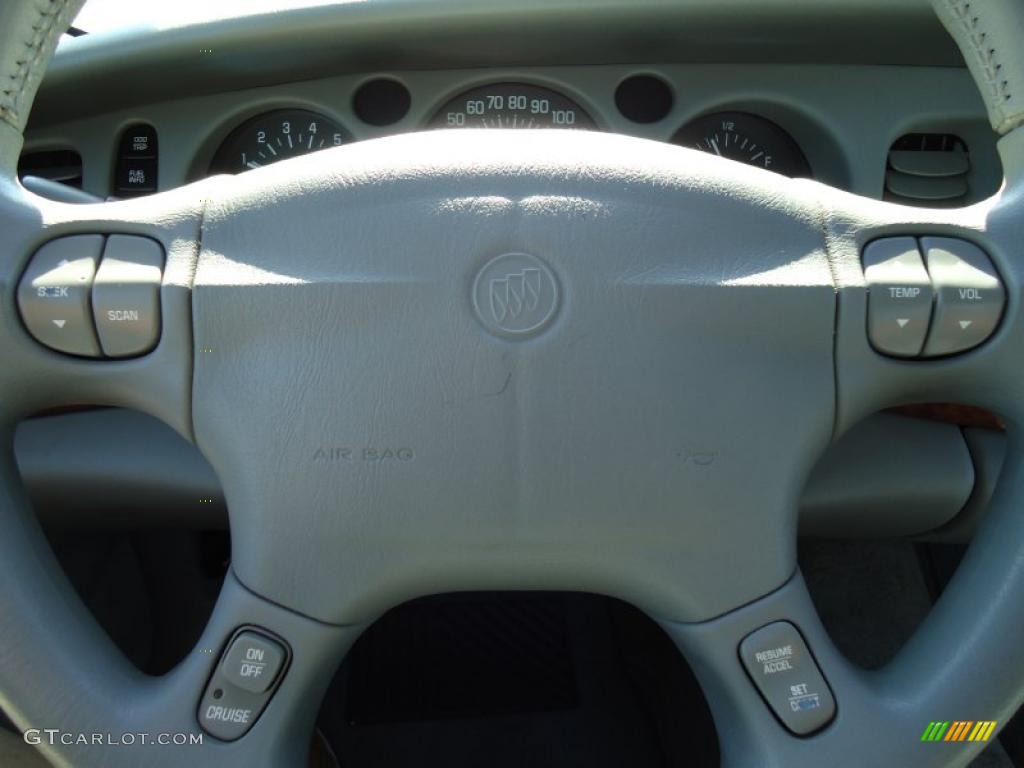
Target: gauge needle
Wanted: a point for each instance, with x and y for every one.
(714, 145)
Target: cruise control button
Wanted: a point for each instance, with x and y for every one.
(227, 712)
(782, 668)
(252, 662)
(53, 295)
(899, 296)
(126, 295)
(242, 683)
(969, 296)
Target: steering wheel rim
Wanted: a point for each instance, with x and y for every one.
(230, 281)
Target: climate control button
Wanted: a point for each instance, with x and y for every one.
(899, 296)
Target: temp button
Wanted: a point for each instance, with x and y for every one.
(126, 295)
(899, 296)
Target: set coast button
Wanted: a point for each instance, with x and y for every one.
(787, 676)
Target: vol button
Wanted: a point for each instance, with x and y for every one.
(969, 296)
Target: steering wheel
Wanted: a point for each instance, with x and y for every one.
(512, 360)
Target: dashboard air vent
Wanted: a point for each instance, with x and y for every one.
(61, 165)
(927, 169)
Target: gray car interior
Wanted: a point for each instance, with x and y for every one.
(460, 363)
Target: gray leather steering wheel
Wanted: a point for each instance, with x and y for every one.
(563, 360)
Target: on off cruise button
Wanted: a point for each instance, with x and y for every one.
(242, 683)
(252, 662)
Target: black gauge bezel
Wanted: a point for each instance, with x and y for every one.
(791, 160)
(223, 158)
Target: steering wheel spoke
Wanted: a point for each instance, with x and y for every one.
(880, 718)
(100, 303)
(928, 277)
(153, 720)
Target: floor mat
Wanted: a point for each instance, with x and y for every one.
(463, 656)
(507, 680)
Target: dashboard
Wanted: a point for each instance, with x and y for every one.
(915, 134)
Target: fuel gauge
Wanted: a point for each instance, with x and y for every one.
(745, 138)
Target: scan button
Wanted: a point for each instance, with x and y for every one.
(126, 295)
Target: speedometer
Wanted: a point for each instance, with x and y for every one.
(275, 136)
(511, 105)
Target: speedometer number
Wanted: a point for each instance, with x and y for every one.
(512, 105)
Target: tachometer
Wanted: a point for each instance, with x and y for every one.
(746, 138)
(275, 136)
(511, 105)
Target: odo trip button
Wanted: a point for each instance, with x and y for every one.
(787, 676)
(899, 296)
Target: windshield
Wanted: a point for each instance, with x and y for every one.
(106, 15)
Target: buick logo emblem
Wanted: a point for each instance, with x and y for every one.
(515, 294)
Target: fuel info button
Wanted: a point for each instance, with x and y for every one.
(782, 668)
(899, 296)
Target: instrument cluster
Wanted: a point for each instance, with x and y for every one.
(738, 135)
